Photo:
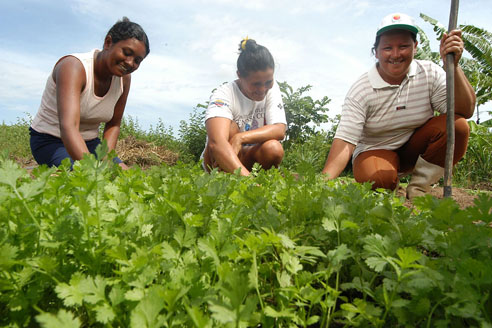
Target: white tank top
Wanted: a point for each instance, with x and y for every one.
(94, 110)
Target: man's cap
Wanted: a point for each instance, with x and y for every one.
(397, 21)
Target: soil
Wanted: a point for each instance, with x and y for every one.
(464, 197)
(132, 152)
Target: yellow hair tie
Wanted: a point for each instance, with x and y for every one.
(243, 44)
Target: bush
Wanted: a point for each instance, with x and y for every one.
(192, 133)
(476, 167)
(303, 113)
(15, 139)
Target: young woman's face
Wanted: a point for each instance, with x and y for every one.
(256, 85)
(395, 53)
(125, 56)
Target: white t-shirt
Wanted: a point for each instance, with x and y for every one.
(377, 115)
(228, 101)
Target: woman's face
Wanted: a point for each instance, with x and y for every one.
(395, 53)
(256, 85)
(125, 56)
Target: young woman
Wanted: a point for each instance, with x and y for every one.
(245, 119)
(84, 90)
(388, 121)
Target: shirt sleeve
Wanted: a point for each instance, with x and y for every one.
(274, 106)
(220, 104)
(438, 88)
(352, 120)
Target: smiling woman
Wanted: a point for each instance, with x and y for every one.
(388, 125)
(245, 119)
(85, 90)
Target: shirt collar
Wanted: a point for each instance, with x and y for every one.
(377, 81)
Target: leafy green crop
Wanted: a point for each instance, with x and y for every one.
(176, 247)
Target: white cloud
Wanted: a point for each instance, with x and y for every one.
(324, 43)
(23, 79)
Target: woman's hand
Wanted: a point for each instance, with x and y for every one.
(452, 43)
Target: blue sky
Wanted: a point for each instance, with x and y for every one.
(324, 43)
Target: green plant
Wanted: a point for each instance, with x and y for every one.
(177, 247)
(192, 133)
(476, 166)
(303, 113)
(14, 138)
(308, 155)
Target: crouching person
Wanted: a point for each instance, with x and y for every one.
(245, 119)
(388, 124)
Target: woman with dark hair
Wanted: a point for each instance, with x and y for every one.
(245, 119)
(85, 90)
(388, 125)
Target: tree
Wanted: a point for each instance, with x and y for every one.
(303, 113)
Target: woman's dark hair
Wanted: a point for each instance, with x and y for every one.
(253, 57)
(125, 29)
(378, 38)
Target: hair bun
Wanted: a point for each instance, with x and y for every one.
(247, 44)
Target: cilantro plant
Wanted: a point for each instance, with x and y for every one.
(177, 247)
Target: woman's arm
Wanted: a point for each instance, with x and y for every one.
(224, 154)
(266, 132)
(112, 128)
(340, 153)
(69, 76)
(465, 97)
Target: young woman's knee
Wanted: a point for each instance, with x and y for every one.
(271, 152)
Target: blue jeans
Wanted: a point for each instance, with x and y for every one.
(49, 150)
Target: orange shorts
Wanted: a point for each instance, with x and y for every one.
(382, 166)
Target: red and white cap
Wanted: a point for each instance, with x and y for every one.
(397, 21)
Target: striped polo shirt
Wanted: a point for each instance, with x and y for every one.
(378, 115)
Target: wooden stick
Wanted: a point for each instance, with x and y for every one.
(448, 167)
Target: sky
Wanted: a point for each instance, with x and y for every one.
(193, 46)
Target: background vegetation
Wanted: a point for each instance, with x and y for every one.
(308, 140)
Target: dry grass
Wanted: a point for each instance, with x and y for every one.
(144, 154)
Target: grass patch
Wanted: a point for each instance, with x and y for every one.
(14, 139)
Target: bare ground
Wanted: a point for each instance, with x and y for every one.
(464, 197)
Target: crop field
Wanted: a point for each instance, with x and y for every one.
(175, 247)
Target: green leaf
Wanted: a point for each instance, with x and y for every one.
(104, 313)
(9, 254)
(339, 254)
(330, 224)
(135, 294)
(10, 172)
(198, 318)
(222, 313)
(312, 320)
(284, 313)
(116, 295)
(400, 303)
(408, 256)
(94, 289)
(346, 224)
(31, 189)
(376, 263)
(146, 313)
(71, 294)
(284, 279)
(63, 319)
